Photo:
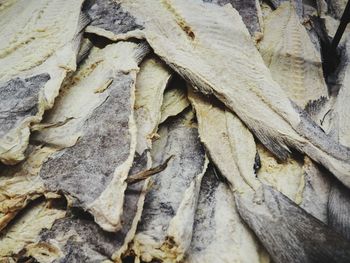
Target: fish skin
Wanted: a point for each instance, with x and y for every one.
(305, 238)
(219, 235)
(263, 107)
(53, 30)
(165, 229)
(336, 7)
(111, 21)
(339, 198)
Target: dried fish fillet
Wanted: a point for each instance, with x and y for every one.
(111, 21)
(165, 229)
(175, 101)
(291, 57)
(90, 171)
(337, 7)
(207, 51)
(26, 228)
(250, 11)
(150, 85)
(30, 81)
(219, 235)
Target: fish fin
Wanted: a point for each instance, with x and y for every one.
(288, 232)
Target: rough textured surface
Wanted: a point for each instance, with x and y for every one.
(219, 235)
(305, 239)
(20, 184)
(150, 85)
(294, 62)
(26, 228)
(91, 172)
(263, 107)
(250, 12)
(175, 101)
(337, 7)
(165, 228)
(111, 21)
(38, 49)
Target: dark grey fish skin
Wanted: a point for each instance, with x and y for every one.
(110, 16)
(81, 170)
(339, 209)
(19, 100)
(289, 233)
(247, 9)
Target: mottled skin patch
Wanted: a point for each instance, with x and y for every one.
(19, 100)
(109, 16)
(84, 170)
(247, 9)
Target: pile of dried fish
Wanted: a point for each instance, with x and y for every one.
(173, 131)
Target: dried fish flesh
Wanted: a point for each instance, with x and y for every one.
(165, 229)
(30, 81)
(90, 171)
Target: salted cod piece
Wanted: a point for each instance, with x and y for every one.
(175, 101)
(40, 40)
(251, 14)
(219, 234)
(165, 229)
(26, 228)
(89, 169)
(111, 21)
(339, 198)
(337, 7)
(296, 65)
(207, 50)
(20, 184)
(232, 148)
(77, 238)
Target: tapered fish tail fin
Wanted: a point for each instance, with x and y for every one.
(339, 209)
(288, 232)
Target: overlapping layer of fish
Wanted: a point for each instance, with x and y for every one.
(165, 229)
(296, 65)
(37, 50)
(88, 168)
(298, 236)
(200, 48)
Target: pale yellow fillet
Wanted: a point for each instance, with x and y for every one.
(38, 37)
(150, 85)
(292, 58)
(174, 102)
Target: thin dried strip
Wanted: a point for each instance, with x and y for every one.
(165, 229)
(150, 85)
(39, 46)
(111, 21)
(219, 235)
(26, 228)
(90, 171)
(175, 101)
(207, 50)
